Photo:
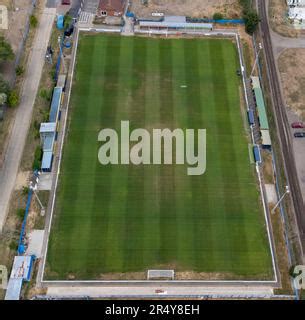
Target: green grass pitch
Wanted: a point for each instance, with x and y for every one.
(126, 218)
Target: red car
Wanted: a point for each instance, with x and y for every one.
(65, 2)
(298, 125)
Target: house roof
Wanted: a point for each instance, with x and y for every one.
(112, 5)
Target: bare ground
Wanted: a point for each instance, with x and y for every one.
(191, 8)
(291, 64)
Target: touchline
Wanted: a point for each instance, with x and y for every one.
(143, 145)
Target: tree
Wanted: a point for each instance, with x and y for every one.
(13, 99)
(252, 20)
(67, 21)
(217, 16)
(6, 51)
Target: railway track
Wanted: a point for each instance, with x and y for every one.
(283, 126)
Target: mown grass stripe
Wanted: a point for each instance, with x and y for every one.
(151, 211)
(183, 196)
(168, 222)
(133, 249)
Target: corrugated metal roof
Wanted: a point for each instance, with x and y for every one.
(21, 270)
(261, 108)
(56, 99)
(46, 163)
(177, 25)
(46, 127)
(22, 267)
(48, 143)
(266, 138)
(13, 289)
(255, 82)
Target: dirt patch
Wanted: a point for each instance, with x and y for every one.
(268, 167)
(293, 79)
(281, 252)
(278, 17)
(191, 8)
(22, 179)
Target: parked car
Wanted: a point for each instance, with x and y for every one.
(69, 31)
(66, 2)
(299, 135)
(298, 125)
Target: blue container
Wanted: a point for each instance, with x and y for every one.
(257, 154)
(67, 44)
(251, 117)
(60, 22)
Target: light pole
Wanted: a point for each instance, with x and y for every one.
(287, 191)
(33, 187)
(260, 47)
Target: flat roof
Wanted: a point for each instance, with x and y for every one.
(266, 139)
(164, 24)
(56, 100)
(255, 82)
(261, 108)
(61, 81)
(46, 127)
(46, 162)
(297, 13)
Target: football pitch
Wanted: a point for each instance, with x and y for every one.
(118, 221)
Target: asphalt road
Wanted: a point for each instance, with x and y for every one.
(22, 120)
(283, 126)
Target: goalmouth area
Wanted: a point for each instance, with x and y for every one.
(116, 222)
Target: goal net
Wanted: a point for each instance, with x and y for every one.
(160, 275)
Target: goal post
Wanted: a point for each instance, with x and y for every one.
(160, 274)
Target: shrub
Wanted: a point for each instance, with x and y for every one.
(217, 16)
(13, 98)
(25, 190)
(46, 94)
(19, 71)
(6, 51)
(37, 158)
(13, 245)
(67, 21)
(20, 213)
(33, 21)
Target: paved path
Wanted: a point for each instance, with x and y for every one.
(111, 291)
(22, 120)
